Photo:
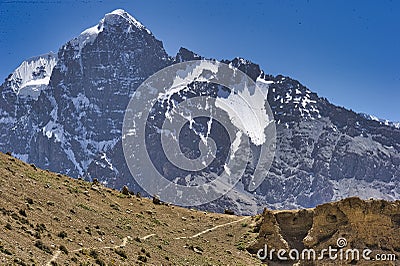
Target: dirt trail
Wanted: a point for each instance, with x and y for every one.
(148, 236)
(54, 258)
(125, 240)
(213, 228)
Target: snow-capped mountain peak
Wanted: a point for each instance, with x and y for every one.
(119, 16)
(323, 151)
(381, 121)
(87, 36)
(32, 75)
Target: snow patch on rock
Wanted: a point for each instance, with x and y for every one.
(33, 75)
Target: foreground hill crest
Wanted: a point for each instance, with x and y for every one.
(50, 219)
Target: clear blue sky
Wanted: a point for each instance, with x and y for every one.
(347, 51)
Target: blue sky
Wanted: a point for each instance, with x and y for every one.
(346, 51)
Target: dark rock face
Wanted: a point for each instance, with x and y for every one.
(19, 114)
(74, 124)
(79, 115)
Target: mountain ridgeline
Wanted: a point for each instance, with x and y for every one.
(65, 112)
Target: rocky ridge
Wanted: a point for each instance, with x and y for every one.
(73, 124)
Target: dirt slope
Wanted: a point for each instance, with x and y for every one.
(50, 219)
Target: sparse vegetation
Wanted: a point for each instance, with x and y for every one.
(19, 218)
(241, 246)
(40, 245)
(22, 213)
(62, 234)
(20, 262)
(40, 228)
(156, 221)
(94, 254)
(5, 251)
(143, 250)
(156, 200)
(45, 218)
(37, 235)
(85, 207)
(142, 258)
(121, 253)
(125, 190)
(64, 249)
(115, 206)
(73, 190)
(100, 262)
(29, 201)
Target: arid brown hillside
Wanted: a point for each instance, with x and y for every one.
(50, 219)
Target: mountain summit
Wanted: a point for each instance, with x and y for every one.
(118, 20)
(32, 75)
(118, 17)
(73, 123)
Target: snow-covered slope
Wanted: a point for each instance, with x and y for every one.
(65, 113)
(382, 121)
(18, 95)
(32, 75)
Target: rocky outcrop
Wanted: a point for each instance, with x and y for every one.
(348, 224)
